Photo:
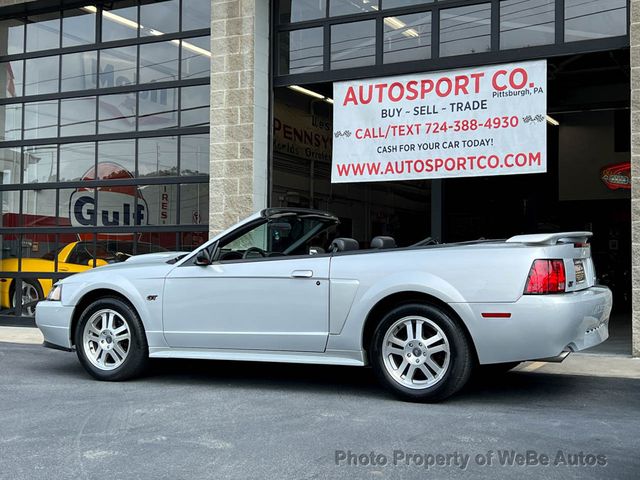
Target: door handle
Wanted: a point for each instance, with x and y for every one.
(63, 269)
(302, 274)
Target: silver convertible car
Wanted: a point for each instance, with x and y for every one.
(279, 287)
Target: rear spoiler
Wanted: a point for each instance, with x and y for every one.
(551, 238)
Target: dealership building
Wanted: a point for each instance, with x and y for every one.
(135, 126)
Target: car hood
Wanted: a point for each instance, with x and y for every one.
(150, 265)
(158, 257)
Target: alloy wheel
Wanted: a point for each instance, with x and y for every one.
(106, 339)
(416, 352)
(29, 297)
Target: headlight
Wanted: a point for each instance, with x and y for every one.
(55, 294)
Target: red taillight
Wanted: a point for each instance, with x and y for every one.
(546, 276)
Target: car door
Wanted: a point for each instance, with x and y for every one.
(256, 303)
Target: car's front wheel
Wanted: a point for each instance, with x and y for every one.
(420, 353)
(29, 295)
(110, 340)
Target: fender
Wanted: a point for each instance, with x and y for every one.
(368, 296)
(150, 312)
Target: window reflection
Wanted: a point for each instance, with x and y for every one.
(407, 37)
(41, 119)
(346, 7)
(593, 20)
(465, 30)
(39, 208)
(117, 67)
(158, 62)
(40, 164)
(78, 28)
(11, 36)
(159, 17)
(157, 109)
(10, 159)
(300, 10)
(79, 71)
(194, 155)
(75, 160)
(120, 23)
(158, 156)
(11, 79)
(194, 108)
(403, 3)
(353, 44)
(301, 51)
(43, 32)
(118, 152)
(117, 113)
(194, 204)
(196, 14)
(196, 57)
(77, 116)
(41, 76)
(527, 23)
(11, 116)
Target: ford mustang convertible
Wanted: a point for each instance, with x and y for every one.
(277, 287)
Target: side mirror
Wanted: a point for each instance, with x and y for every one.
(203, 258)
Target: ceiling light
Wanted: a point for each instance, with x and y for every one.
(306, 91)
(397, 24)
(552, 121)
(311, 93)
(134, 25)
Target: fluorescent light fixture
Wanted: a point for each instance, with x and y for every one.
(311, 93)
(134, 25)
(306, 91)
(552, 121)
(397, 24)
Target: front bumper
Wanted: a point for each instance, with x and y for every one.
(540, 326)
(54, 321)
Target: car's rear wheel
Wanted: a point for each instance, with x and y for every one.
(420, 353)
(110, 340)
(28, 296)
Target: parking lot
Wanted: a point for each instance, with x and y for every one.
(213, 420)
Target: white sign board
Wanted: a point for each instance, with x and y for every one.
(462, 123)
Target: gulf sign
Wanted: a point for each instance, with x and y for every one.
(116, 205)
(488, 120)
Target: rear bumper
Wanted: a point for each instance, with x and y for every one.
(540, 326)
(54, 321)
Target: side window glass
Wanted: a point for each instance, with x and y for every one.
(286, 236)
(80, 255)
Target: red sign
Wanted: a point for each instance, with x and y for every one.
(617, 176)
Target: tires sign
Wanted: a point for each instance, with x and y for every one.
(481, 121)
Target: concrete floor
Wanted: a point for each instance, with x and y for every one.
(206, 420)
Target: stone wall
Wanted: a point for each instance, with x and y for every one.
(239, 110)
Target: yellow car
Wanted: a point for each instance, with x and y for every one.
(72, 258)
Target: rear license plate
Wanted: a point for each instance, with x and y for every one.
(580, 275)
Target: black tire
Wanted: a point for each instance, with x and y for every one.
(137, 356)
(35, 284)
(460, 363)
